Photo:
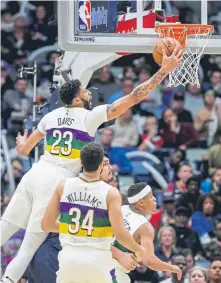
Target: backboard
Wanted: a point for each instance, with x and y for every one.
(128, 26)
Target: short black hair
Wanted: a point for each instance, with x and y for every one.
(135, 189)
(92, 155)
(69, 91)
(193, 179)
(106, 154)
(215, 258)
(179, 253)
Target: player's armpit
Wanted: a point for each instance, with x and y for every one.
(121, 105)
(50, 221)
(115, 215)
(25, 144)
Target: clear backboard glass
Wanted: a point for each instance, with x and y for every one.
(128, 26)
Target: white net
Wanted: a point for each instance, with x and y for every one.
(187, 72)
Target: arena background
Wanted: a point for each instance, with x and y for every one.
(184, 168)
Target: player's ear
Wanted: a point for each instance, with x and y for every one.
(141, 202)
(76, 101)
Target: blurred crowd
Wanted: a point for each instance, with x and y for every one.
(176, 132)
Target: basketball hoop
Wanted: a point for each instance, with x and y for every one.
(193, 38)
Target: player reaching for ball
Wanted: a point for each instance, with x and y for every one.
(66, 129)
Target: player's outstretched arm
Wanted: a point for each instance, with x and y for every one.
(50, 221)
(118, 107)
(117, 223)
(25, 143)
(146, 233)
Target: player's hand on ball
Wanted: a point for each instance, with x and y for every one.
(169, 63)
(177, 270)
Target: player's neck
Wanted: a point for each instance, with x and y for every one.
(136, 210)
(92, 176)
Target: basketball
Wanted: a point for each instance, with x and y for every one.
(166, 43)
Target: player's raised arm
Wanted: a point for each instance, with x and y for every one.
(146, 233)
(118, 107)
(25, 143)
(50, 221)
(117, 223)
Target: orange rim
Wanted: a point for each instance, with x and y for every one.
(183, 30)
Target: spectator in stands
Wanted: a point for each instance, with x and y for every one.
(179, 260)
(189, 199)
(6, 81)
(186, 237)
(129, 73)
(168, 92)
(193, 99)
(18, 42)
(48, 70)
(16, 100)
(169, 167)
(214, 247)
(106, 86)
(206, 119)
(19, 22)
(42, 34)
(150, 140)
(202, 220)
(215, 81)
(177, 134)
(183, 115)
(198, 275)
(117, 156)
(125, 131)
(213, 186)
(214, 153)
(184, 173)
(215, 270)
(166, 243)
(6, 20)
(216, 185)
(190, 262)
(17, 171)
(127, 87)
(165, 215)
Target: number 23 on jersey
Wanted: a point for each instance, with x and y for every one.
(63, 143)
